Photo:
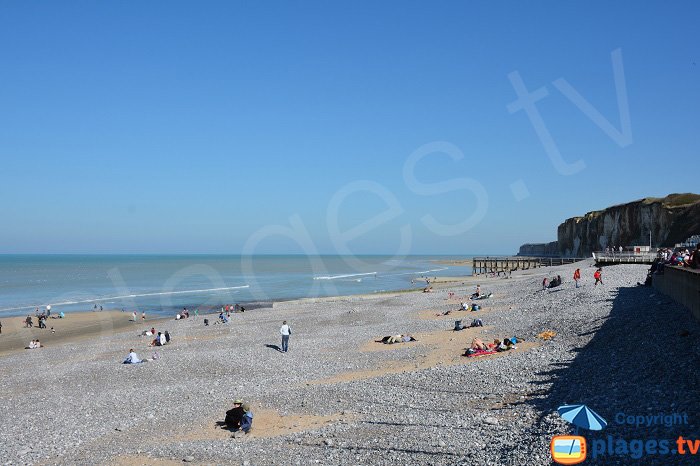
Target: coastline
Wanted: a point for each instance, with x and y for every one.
(336, 391)
(164, 284)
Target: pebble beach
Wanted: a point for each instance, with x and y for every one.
(339, 398)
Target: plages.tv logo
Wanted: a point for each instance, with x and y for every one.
(572, 449)
(568, 449)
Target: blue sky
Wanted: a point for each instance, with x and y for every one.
(175, 127)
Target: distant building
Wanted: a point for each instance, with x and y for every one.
(690, 243)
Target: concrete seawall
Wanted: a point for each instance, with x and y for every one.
(681, 284)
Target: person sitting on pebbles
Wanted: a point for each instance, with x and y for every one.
(243, 426)
(132, 358)
(234, 416)
(477, 293)
(34, 344)
(247, 421)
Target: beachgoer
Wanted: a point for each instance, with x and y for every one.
(477, 293)
(157, 341)
(477, 344)
(196, 313)
(162, 340)
(52, 330)
(132, 358)
(133, 316)
(234, 416)
(598, 275)
(0, 327)
(28, 322)
(464, 307)
(167, 337)
(476, 323)
(694, 261)
(577, 276)
(247, 421)
(61, 315)
(143, 315)
(544, 283)
(206, 322)
(285, 331)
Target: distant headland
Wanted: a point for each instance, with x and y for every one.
(661, 221)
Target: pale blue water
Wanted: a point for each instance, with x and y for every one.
(164, 283)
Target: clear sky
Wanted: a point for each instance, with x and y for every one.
(212, 127)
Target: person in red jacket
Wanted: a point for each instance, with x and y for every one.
(577, 276)
(598, 277)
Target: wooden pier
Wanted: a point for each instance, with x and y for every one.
(505, 265)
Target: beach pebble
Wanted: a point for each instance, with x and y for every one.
(188, 459)
(491, 420)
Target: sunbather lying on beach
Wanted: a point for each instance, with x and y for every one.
(391, 339)
(477, 344)
(460, 326)
(555, 282)
(483, 296)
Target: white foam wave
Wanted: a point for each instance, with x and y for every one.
(139, 295)
(418, 272)
(333, 277)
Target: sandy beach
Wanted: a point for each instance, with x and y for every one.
(338, 397)
(76, 327)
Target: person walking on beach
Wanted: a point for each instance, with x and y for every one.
(0, 328)
(285, 331)
(143, 315)
(577, 276)
(598, 275)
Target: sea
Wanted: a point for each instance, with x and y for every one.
(162, 284)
